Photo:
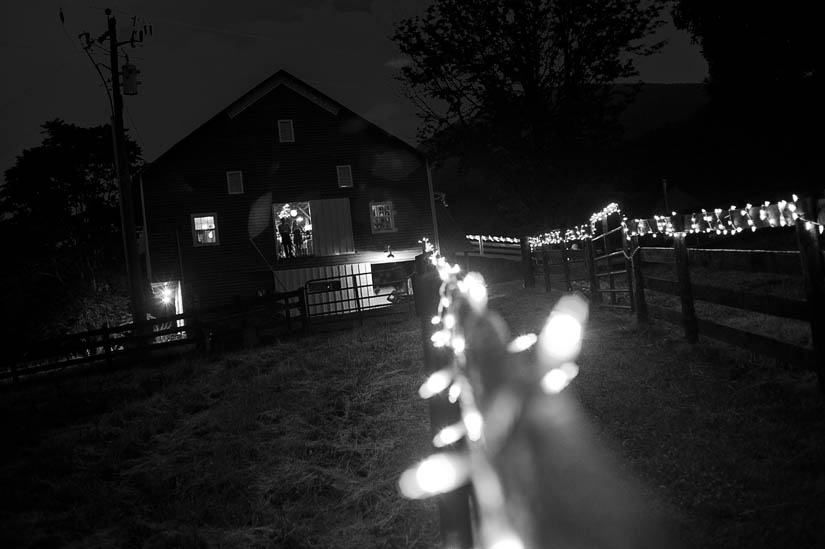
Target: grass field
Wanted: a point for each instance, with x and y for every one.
(299, 444)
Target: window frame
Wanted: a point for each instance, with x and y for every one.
(389, 205)
(228, 187)
(195, 242)
(291, 130)
(338, 174)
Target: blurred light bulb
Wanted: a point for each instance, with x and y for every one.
(437, 474)
(474, 423)
(557, 379)
(449, 434)
(437, 382)
(561, 337)
(522, 343)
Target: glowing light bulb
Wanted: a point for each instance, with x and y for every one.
(449, 434)
(557, 379)
(459, 344)
(476, 291)
(437, 382)
(522, 343)
(474, 423)
(510, 541)
(437, 474)
(454, 393)
(561, 336)
(441, 338)
(449, 321)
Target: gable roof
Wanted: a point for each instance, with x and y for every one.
(282, 78)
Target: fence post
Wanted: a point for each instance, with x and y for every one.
(288, 314)
(566, 265)
(107, 346)
(453, 507)
(685, 290)
(357, 299)
(628, 267)
(809, 242)
(638, 281)
(595, 294)
(545, 264)
(527, 263)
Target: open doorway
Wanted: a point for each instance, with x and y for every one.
(293, 229)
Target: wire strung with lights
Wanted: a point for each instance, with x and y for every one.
(485, 426)
(719, 221)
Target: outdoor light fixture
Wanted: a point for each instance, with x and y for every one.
(166, 295)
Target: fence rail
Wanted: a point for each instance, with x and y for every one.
(153, 338)
(617, 271)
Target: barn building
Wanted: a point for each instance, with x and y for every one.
(284, 189)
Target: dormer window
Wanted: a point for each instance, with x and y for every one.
(234, 182)
(344, 176)
(286, 133)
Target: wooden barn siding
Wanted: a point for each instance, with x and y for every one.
(192, 179)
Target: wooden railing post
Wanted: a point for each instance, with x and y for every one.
(639, 302)
(685, 291)
(565, 263)
(527, 263)
(590, 254)
(288, 313)
(107, 347)
(813, 273)
(545, 263)
(453, 507)
(628, 267)
(357, 298)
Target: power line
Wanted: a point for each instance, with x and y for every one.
(134, 127)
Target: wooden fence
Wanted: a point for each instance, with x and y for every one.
(110, 346)
(616, 271)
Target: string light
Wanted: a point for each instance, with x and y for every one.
(463, 300)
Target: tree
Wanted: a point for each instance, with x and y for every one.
(60, 203)
(755, 50)
(765, 81)
(523, 88)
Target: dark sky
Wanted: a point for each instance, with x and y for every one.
(204, 55)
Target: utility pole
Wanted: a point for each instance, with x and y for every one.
(127, 211)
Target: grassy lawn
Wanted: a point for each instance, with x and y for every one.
(300, 444)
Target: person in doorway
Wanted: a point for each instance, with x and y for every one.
(285, 229)
(298, 239)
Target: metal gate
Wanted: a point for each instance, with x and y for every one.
(611, 275)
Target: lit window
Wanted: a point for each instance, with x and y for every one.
(382, 217)
(285, 131)
(293, 228)
(234, 182)
(204, 229)
(344, 176)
